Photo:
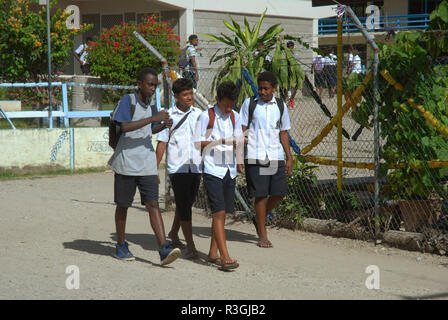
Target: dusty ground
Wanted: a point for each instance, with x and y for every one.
(48, 224)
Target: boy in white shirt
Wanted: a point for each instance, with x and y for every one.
(220, 137)
(267, 121)
(81, 55)
(184, 171)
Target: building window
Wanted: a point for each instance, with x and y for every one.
(422, 6)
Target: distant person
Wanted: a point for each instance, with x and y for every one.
(291, 103)
(350, 60)
(331, 72)
(189, 61)
(220, 137)
(135, 166)
(319, 76)
(357, 64)
(267, 59)
(184, 172)
(354, 79)
(81, 55)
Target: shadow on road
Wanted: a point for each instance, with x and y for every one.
(102, 248)
(427, 297)
(231, 235)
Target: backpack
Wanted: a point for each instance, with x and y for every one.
(318, 64)
(253, 105)
(211, 121)
(114, 126)
(184, 59)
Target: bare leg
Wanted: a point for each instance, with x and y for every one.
(219, 237)
(120, 223)
(156, 221)
(174, 232)
(262, 207)
(187, 230)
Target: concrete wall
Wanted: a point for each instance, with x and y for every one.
(32, 149)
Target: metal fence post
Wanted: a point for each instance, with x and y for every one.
(339, 102)
(65, 104)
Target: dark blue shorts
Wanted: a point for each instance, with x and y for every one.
(262, 181)
(220, 192)
(126, 186)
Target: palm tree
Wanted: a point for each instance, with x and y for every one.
(245, 55)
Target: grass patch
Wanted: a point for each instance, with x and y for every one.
(15, 175)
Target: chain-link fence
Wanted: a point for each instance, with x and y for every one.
(413, 149)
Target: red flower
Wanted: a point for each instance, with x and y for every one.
(116, 44)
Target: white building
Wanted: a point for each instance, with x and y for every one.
(297, 17)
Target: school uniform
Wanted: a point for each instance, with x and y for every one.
(183, 159)
(134, 158)
(264, 154)
(219, 161)
(357, 68)
(318, 66)
(82, 50)
(331, 69)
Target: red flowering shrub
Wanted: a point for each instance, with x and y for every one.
(117, 55)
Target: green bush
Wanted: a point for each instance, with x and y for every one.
(23, 40)
(117, 55)
(302, 198)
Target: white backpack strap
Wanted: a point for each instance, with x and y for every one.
(133, 100)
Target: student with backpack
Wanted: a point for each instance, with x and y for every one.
(188, 63)
(219, 135)
(134, 164)
(319, 75)
(266, 122)
(184, 171)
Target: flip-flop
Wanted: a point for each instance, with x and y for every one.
(265, 244)
(228, 266)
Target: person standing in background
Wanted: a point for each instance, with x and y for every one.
(81, 55)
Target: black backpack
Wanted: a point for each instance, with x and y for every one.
(184, 60)
(114, 126)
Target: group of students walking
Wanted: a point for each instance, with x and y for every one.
(214, 145)
(325, 71)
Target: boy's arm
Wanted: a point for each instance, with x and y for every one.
(135, 125)
(160, 150)
(284, 140)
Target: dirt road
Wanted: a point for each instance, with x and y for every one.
(48, 224)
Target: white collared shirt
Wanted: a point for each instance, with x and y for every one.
(357, 68)
(181, 152)
(220, 158)
(264, 131)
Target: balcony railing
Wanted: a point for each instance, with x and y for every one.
(402, 22)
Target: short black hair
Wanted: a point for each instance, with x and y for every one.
(182, 84)
(290, 44)
(144, 71)
(89, 39)
(227, 89)
(269, 77)
(192, 37)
